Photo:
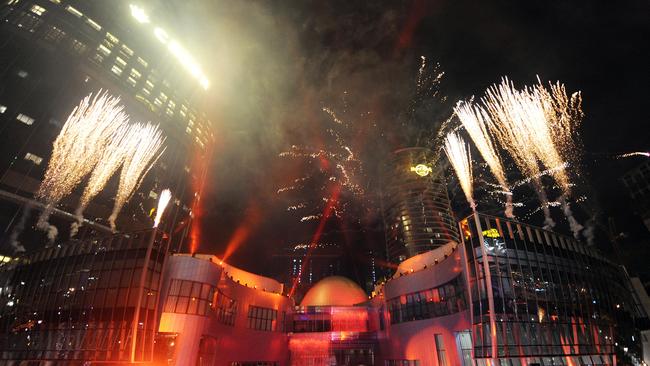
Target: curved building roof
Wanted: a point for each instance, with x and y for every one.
(334, 291)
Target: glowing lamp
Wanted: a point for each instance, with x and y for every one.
(422, 170)
(139, 14)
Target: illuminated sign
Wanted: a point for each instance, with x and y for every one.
(491, 233)
(421, 170)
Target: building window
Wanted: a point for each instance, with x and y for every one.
(22, 74)
(448, 298)
(34, 158)
(78, 46)
(401, 363)
(440, 350)
(54, 34)
(38, 10)
(188, 297)
(260, 318)
(116, 70)
(464, 344)
(74, 11)
(224, 308)
(3, 108)
(93, 24)
(25, 119)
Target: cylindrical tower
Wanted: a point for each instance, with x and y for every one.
(416, 208)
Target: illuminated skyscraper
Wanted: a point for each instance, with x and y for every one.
(53, 53)
(417, 214)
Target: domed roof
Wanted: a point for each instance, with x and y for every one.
(334, 291)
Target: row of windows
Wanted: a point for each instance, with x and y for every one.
(438, 301)
(260, 318)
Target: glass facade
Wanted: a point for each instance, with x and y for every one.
(416, 206)
(538, 294)
(445, 299)
(189, 297)
(84, 300)
(260, 318)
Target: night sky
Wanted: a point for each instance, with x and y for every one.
(275, 64)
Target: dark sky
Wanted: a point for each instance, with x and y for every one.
(275, 64)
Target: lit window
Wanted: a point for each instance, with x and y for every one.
(163, 97)
(172, 105)
(25, 119)
(127, 50)
(120, 62)
(55, 1)
(188, 130)
(169, 112)
(131, 81)
(38, 10)
(103, 49)
(143, 62)
(146, 91)
(54, 34)
(116, 70)
(135, 74)
(78, 46)
(3, 108)
(34, 158)
(22, 74)
(157, 102)
(112, 38)
(149, 84)
(73, 11)
(93, 24)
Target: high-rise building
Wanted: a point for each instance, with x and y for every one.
(416, 208)
(52, 54)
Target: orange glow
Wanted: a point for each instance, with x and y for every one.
(200, 165)
(327, 212)
(243, 231)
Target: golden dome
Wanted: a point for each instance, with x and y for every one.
(334, 291)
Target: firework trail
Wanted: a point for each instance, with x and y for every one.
(459, 156)
(634, 153)
(509, 115)
(163, 201)
(475, 123)
(84, 135)
(143, 148)
(112, 158)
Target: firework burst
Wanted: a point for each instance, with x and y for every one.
(142, 150)
(458, 153)
(475, 122)
(79, 147)
(163, 201)
(112, 158)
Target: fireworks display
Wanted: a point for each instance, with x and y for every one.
(78, 148)
(96, 141)
(112, 158)
(163, 201)
(334, 163)
(537, 127)
(634, 153)
(474, 121)
(458, 153)
(144, 147)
